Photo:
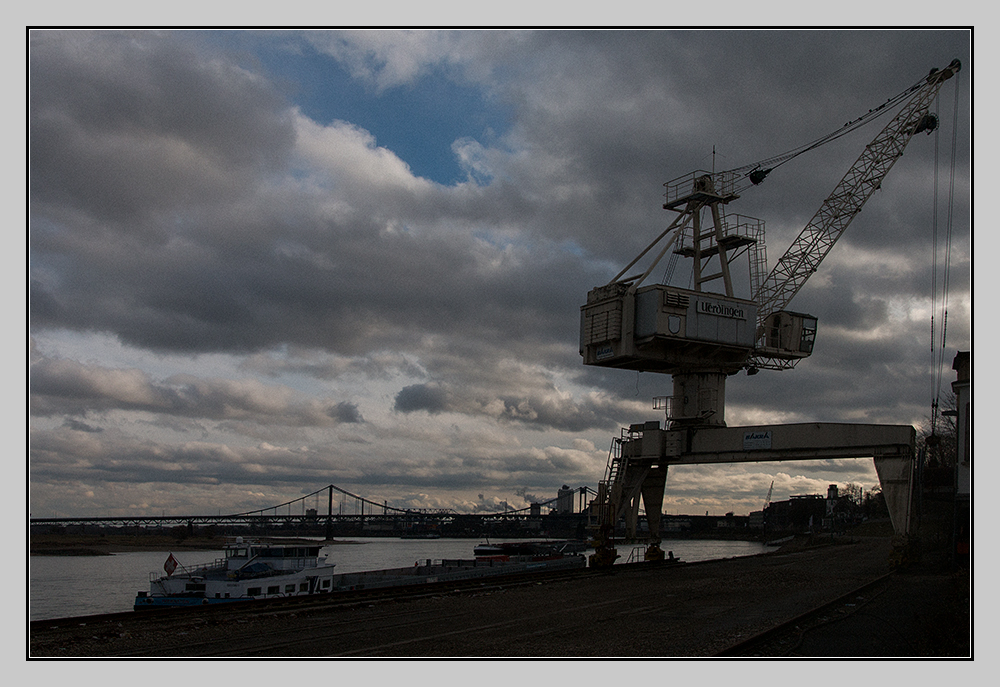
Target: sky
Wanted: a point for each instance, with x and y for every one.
(261, 262)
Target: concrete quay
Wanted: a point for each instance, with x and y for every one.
(645, 610)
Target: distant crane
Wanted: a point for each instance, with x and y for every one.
(767, 501)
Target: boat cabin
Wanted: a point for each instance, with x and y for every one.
(277, 556)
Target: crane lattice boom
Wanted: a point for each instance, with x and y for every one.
(863, 178)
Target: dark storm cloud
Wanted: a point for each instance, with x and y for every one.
(541, 410)
(427, 397)
(239, 264)
(123, 126)
(246, 273)
(66, 387)
(182, 205)
(114, 457)
(658, 103)
(346, 412)
(81, 426)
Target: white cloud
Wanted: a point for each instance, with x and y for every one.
(388, 59)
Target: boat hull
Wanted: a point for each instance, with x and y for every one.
(149, 603)
(423, 572)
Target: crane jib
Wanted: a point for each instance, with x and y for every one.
(803, 257)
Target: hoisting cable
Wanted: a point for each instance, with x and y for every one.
(938, 359)
(934, 272)
(756, 172)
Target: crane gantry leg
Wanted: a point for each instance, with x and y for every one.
(647, 451)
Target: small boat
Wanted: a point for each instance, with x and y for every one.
(536, 549)
(249, 570)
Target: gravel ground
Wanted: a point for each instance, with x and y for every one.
(637, 611)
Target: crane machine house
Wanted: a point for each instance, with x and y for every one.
(701, 337)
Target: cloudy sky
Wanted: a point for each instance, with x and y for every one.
(264, 262)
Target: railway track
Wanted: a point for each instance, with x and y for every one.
(783, 640)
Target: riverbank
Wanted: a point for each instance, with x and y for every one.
(640, 610)
(107, 545)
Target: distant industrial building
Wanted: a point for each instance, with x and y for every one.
(564, 500)
(805, 513)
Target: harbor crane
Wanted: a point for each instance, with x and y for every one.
(701, 337)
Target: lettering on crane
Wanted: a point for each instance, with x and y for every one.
(721, 310)
(756, 441)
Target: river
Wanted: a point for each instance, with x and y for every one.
(70, 586)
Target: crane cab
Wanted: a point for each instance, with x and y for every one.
(665, 329)
(789, 335)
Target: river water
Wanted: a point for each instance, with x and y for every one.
(70, 586)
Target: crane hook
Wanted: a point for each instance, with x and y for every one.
(758, 175)
(928, 123)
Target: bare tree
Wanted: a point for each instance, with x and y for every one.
(873, 504)
(851, 492)
(937, 439)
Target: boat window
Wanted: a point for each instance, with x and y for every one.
(313, 551)
(253, 591)
(304, 587)
(194, 587)
(273, 590)
(289, 588)
(325, 584)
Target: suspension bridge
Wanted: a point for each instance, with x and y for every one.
(319, 512)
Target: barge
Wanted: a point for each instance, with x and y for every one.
(250, 570)
(257, 570)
